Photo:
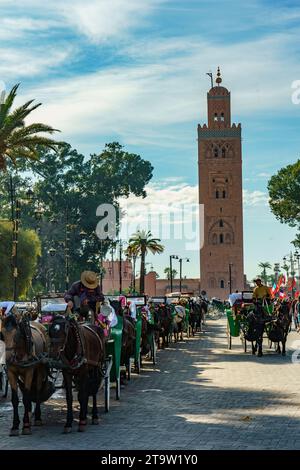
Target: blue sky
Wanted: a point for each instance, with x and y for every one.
(135, 71)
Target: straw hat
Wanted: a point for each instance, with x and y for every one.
(89, 279)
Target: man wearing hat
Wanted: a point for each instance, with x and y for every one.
(261, 292)
(85, 293)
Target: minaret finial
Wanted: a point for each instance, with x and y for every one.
(218, 79)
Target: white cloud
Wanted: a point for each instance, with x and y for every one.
(140, 102)
(100, 20)
(254, 198)
(13, 28)
(169, 212)
(18, 63)
(264, 175)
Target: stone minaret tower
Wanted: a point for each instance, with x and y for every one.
(220, 191)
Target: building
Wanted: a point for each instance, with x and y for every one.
(220, 192)
(153, 285)
(111, 278)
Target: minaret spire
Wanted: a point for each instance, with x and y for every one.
(218, 79)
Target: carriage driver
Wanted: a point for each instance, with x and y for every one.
(85, 293)
(261, 292)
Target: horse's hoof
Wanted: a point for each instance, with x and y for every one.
(26, 431)
(259, 354)
(82, 427)
(14, 432)
(283, 354)
(67, 429)
(38, 422)
(95, 421)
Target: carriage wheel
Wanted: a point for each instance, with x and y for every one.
(128, 369)
(107, 393)
(118, 388)
(229, 340)
(153, 352)
(137, 365)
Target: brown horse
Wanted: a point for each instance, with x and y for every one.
(128, 342)
(79, 350)
(25, 345)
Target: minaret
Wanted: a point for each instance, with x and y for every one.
(220, 191)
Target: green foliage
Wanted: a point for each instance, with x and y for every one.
(264, 265)
(18, 141)
(167, 272)
(141, 243)
(29, 250)
(69, 188)
(284, 192)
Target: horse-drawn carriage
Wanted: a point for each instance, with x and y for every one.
(48, 308)
(180, 311)
(248, 320)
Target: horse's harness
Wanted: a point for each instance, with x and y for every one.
(80, 359)
(23, 329)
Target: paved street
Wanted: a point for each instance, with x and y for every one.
(199, 396)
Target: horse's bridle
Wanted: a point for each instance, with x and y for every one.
(62, 341)
(17, 337)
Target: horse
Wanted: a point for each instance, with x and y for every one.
(128, 342)
(163, 325)
(280, 327)
(196, 316)
(147, 330)
(178, 323)
(253, 326)
(79, 350)
(26, 346)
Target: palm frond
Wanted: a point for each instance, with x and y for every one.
(9, 100)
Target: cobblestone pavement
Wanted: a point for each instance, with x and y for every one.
(199, 396)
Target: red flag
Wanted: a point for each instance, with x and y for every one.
(280, 282)
(291, 283)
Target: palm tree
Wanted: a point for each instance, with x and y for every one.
(167, 272)
(264, 267)
(16, 139)
(132, 253)
(142, 242)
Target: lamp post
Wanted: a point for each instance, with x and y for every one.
(180, 271)
(230, 278)
(121, 243)
(171, 272)
(297, 258)
(15, 218)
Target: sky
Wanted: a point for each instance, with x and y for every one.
(134, 71)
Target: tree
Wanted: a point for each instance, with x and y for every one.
(70, 187)
(264, 267)
(142, 242)
(29, 250)
(296, 242)
(284, 192)
(16, 139)
(167, 272)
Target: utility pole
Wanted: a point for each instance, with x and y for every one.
(230, 279)
(292, 274)
(171, 271)
(101, 265)
(120, 266)
(180, 272)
